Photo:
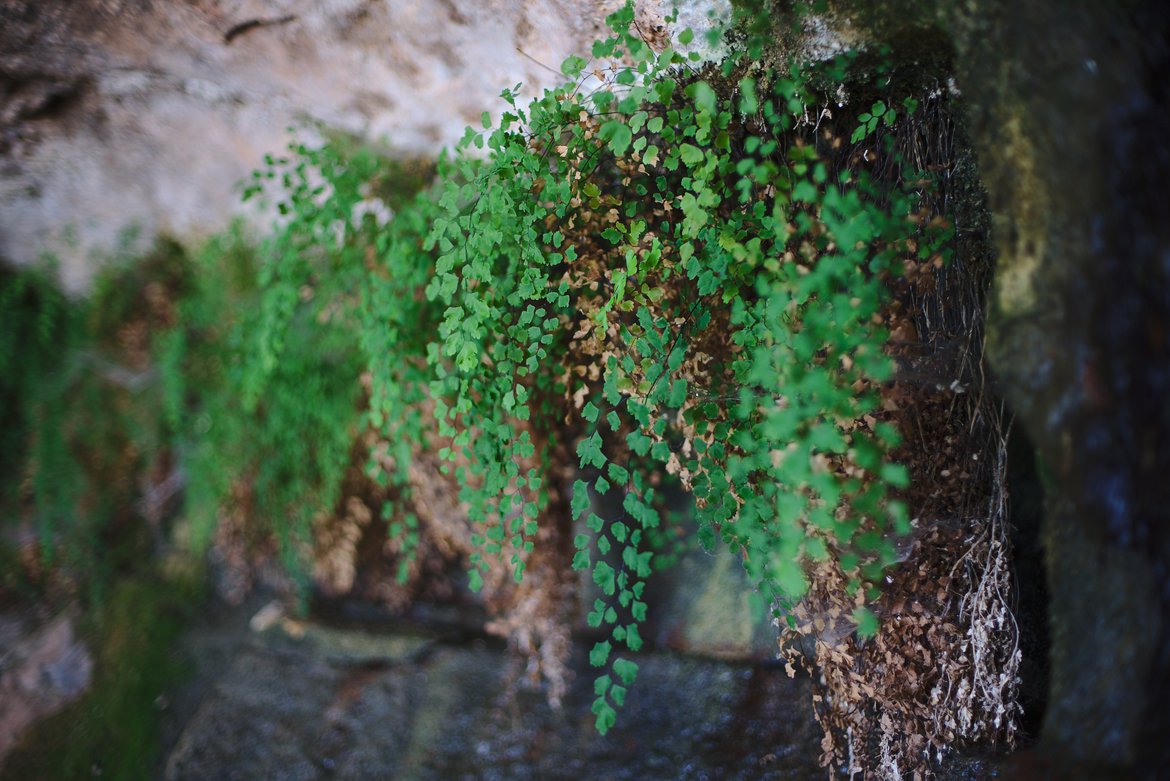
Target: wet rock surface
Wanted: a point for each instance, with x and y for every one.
(316, 701)
(1072, 142)
(707, 610)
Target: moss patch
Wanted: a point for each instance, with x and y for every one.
(114, 730)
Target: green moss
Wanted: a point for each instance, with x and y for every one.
(36, 329)
(114, 729)
(137, 290)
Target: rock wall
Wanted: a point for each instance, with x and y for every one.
(144, 115)
(1069, 110)
(42, 669)
(123, 113)
(380, 703)
(1072, 127)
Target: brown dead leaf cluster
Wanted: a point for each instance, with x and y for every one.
(942, 670)
(354, 556)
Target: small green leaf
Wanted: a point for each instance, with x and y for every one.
(606, 717)
(867, 623)
(804, 191)
(895, 474)
(604, 577)
(704, 97)
(639, 442)
(791, 579)
(748, 102)
(600, 655)
(690, 154)
(624, 668)
(573, 65)
(617, 134)
(589, 451)
(580, 502)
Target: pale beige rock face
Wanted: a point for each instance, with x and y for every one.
(120, 115)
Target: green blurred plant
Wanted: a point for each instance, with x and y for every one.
(114, 729)
(37, 328)
(82, 412)
(261, 390)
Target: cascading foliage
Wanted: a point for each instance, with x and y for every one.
(675, 271)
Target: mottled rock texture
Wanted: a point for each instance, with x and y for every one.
(114, 113)
(42, 668)
(122, 116)
(1072, 128)
(367, 704)
(1068, 107)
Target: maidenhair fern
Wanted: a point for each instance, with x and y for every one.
(672, 272)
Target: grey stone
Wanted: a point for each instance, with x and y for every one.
(293, 709)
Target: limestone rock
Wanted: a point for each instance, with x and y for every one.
(119, 116)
